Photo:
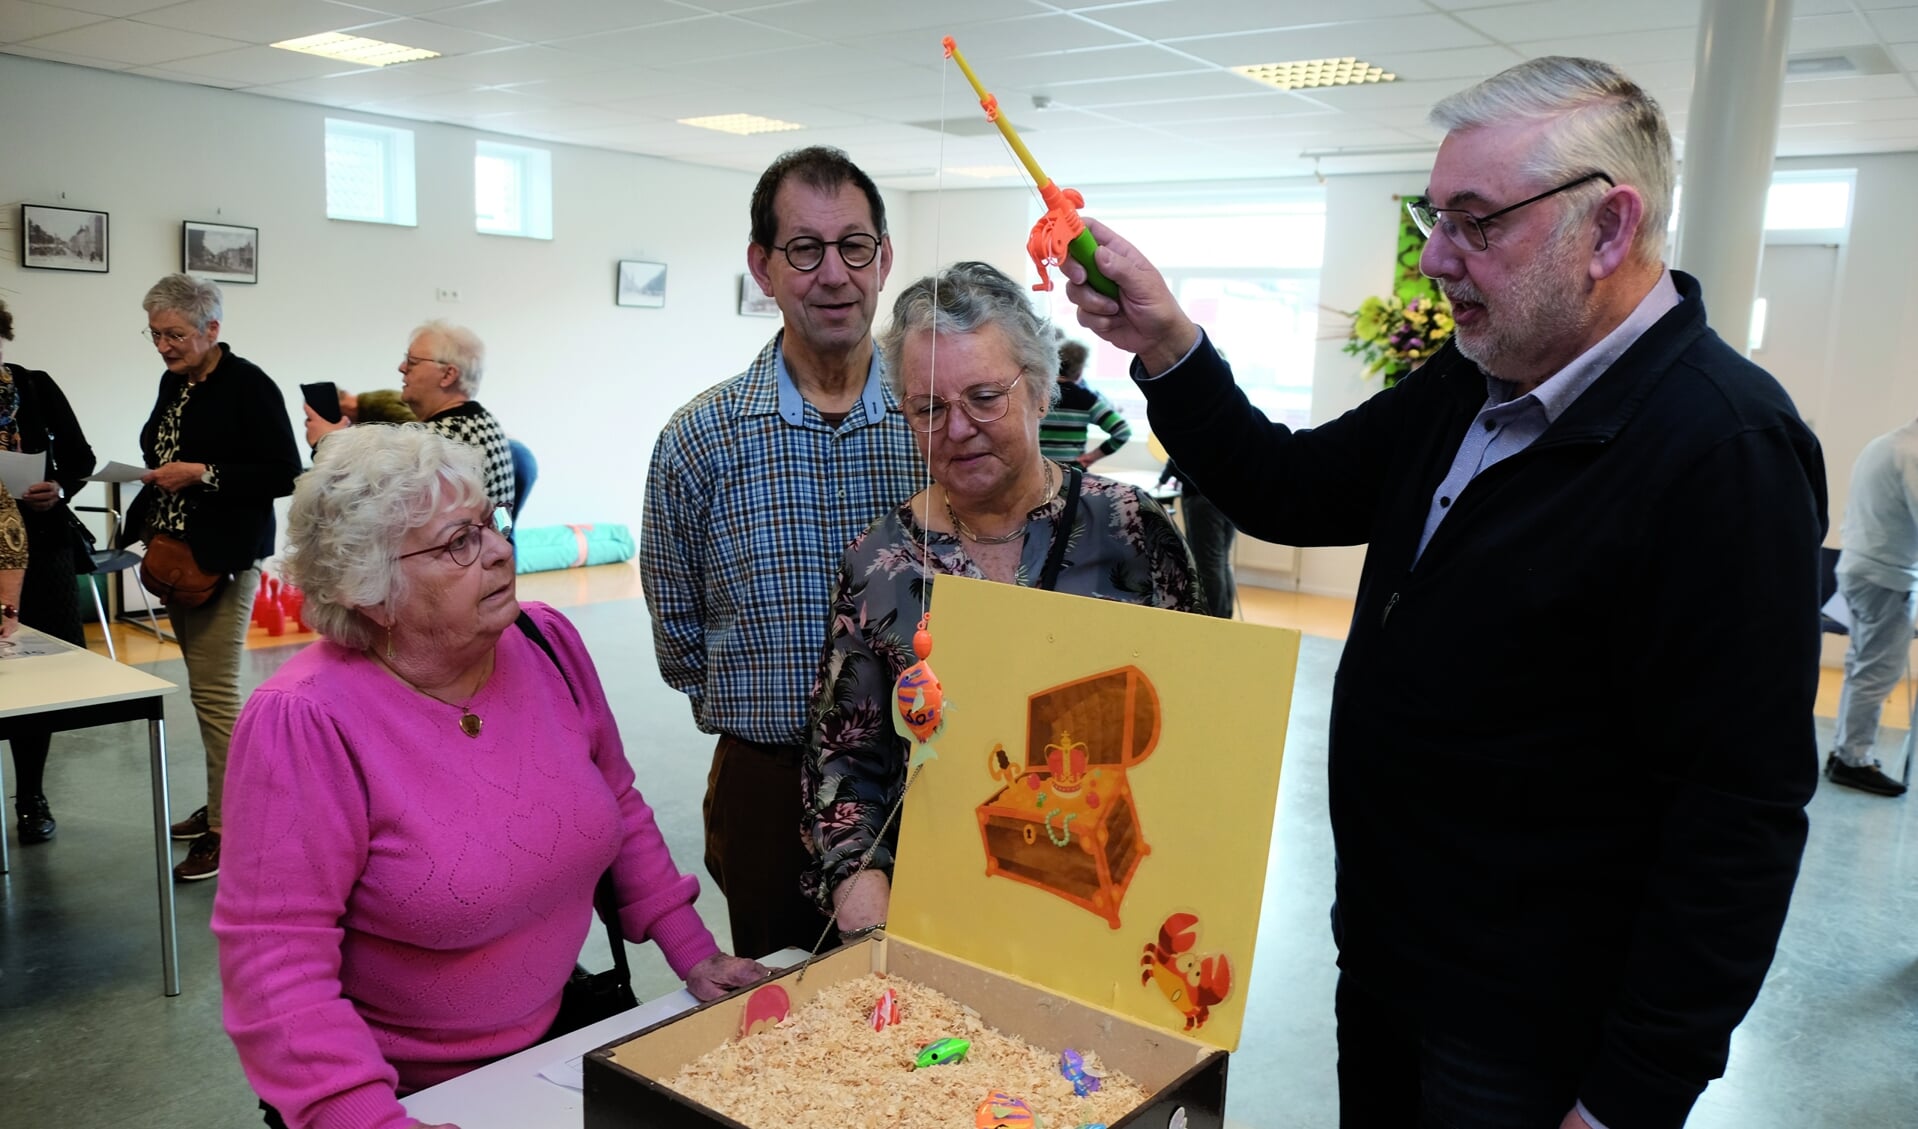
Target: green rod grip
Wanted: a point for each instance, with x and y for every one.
(1081, 249)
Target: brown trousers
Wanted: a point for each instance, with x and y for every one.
(753, 848)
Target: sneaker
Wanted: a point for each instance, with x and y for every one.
(1864, 777)
(202, 859)
(36, 818)
(192, 827)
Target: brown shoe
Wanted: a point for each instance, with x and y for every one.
(202, 859)
(192, 827)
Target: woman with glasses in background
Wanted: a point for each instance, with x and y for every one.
(424, 802)
(974, 368)
(220, 445)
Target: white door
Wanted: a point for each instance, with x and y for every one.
(1798, 283)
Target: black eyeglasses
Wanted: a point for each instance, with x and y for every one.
(983, 403)
(1467, 230)
(464, 545)
(806, 253)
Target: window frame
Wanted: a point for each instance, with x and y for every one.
(398, 189)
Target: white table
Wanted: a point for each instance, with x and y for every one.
(77, 689)
(510, 1094)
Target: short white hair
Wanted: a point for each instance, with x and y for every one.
(459, 347)
(1601, 121)
(195, 299)
(368, 486)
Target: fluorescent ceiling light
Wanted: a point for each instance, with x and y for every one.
(741, 124)
(983, 172)
(355, 49)
(1309, 73)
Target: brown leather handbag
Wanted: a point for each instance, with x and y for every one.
(169, 571)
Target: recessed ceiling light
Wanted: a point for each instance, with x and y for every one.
(1309, 73)
(983, 172)
(741, 124)
(355, 49)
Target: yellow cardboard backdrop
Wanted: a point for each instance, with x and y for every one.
(1155, 812)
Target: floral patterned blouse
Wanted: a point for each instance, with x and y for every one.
(1121, 547)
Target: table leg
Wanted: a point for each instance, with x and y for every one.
(4, 867)
(163, 859)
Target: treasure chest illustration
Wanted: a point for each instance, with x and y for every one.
(1064, 818)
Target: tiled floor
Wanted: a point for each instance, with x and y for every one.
(87, 1038)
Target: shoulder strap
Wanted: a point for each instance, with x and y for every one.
(604, 902)
(1061, 533)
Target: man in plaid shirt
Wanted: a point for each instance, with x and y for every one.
(756, 486)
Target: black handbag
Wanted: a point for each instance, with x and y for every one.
(82, 539)
(590, 996)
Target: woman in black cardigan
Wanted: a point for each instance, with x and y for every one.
(35, 418)
(220, 443)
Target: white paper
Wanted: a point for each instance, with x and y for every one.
(20, 471)
(570, 1073)
(17, 648)
(1837, 609)
(117, 472)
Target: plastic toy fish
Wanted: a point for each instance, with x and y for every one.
(885, 1013)
(1001, 1110)
(1072, 1064)
(920, 700)
(942, 1052)
(764, 1009)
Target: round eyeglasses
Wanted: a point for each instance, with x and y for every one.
(806, 253)
(982, 403)
(464, 545)
(1467, 230)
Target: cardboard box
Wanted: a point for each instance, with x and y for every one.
(1186, 1077)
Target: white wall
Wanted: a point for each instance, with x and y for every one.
(585, 383)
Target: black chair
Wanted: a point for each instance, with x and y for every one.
(109, 561)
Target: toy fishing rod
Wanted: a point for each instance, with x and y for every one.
(1060, 232)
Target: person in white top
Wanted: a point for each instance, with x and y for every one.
(1878, 577)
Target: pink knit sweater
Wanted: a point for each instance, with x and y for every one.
(400, 903)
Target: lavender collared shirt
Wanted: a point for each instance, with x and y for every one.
(1507, 425)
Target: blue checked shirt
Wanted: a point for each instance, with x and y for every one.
(750, 502)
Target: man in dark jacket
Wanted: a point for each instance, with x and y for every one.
(1568, 776)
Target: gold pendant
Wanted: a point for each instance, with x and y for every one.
(470, 724)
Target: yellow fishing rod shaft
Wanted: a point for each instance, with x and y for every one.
(998, 118)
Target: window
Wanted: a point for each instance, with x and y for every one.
(369, 173)
(512, 190)
(1802, 206)
(1246, 270)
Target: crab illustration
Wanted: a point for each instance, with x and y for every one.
(1192, 982)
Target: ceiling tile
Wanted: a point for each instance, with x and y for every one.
(845, 18)
(686, 43)
(1832, 113)
(190, 79)
(540, 21)
(1898, 25)
(1384, 95)
(1558, 19)
(20, 20)
(566, 119)
(115, 7)
(383, 84)
(1906, 54)
(1468, 64)
(255, 22)
(994, 40)
(257, 66)
(1363, 38)
(1239, 106)
(1183, 18)
(1064, 67)
(511, 65)
(1622, 49)
(444, 38)
(607, 85)
(133, 44)
(469, 105)
(62, 57)
(1802, 92)
(1817, 33)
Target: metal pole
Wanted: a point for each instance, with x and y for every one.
(1731, 132)
(163, 857)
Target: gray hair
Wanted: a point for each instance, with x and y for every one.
(459, 347)
(368, 486)
(194, 299)
(1602, 122)
(971, 296)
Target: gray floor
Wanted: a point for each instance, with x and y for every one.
(87, 1038)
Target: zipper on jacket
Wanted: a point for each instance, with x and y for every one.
(1389, 605)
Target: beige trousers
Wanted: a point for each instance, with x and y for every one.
(212, 637)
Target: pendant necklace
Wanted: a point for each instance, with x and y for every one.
(1052, 491)
(470, 722)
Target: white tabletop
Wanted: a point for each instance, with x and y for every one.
(72, 678)
(510, 1094)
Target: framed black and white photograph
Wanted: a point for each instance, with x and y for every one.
(754, 302)
(220, 252)
(63, 238)
(640, 283)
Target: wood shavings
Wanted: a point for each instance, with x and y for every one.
(826, 1068)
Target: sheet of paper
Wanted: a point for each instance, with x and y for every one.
(20, 471)
(30, 648)
(117, 472)
(570, 1073)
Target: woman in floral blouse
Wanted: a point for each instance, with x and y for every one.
(995, 510)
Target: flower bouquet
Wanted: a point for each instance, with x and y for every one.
(1393, 335)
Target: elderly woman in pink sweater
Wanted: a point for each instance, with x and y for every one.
(421, 804)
